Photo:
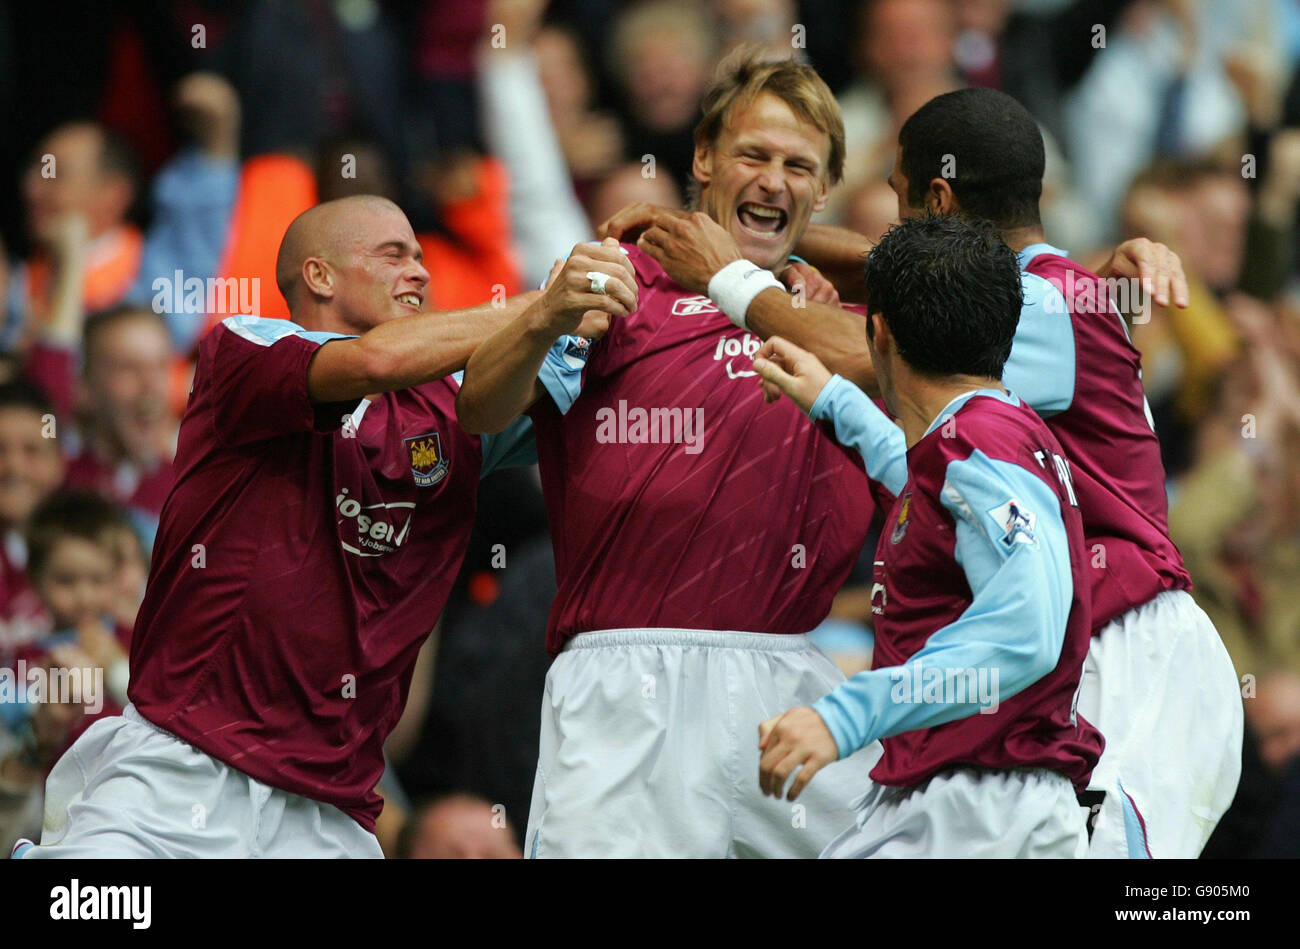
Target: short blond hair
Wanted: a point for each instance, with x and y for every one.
(748, 71)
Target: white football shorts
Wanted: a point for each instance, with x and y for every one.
(969, 813)
(126, 788)
(649, 748)
(1159, 685)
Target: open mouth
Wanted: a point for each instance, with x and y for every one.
(409, 299)
(762, 221)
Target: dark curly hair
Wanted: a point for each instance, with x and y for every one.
(949, 290)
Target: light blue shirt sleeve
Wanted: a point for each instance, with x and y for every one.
(1012, 545)
(1041, 366)
(561, 371)
(266, 331)
(860, 425)
(512, 448)
(193, 200)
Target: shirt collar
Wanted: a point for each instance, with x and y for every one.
(1035, 250)
(953, 407)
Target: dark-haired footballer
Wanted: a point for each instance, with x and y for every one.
(1158, 682)
(980, 595)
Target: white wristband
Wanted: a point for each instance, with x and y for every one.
(734, 287)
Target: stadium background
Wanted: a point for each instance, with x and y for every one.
(189, 133)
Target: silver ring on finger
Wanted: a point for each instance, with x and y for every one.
(598, 281)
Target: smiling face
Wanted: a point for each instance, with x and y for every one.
(763, 177)
(379, 274)
(127, 385)
(348, 265)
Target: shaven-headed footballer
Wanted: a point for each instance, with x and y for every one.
(323, 502)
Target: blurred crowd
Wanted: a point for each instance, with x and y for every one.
(156, 153)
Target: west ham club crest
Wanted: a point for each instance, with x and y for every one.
(428, 464)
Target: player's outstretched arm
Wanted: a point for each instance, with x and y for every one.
(859, 424)
(408, 351)
(835, 253)
(629, 222)
(785, 367)
(840, 255)
(1012, 546)
(837, 336)
(500, 380)
(700, 255)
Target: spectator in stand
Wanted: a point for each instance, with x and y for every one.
(592, 141)
(73, 564)
(308, 72)
(1160, 88)
(480, 728)
(127, 431)
(1274, 716)
(441, 36)
(193, 202)
(767, 24)
(74, 560)
(1236, 514)
(871, 210)
(31, 469)
(22, 769)
(546, 218)
(216, 222)
(662, 54)
(78, 188)
(904, 59)
(907, 55)
(1185, 352)
(628, 184)
(458, 826)
(1033, 55)
(130, 571)
(1264, 819)
(1236, 251)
